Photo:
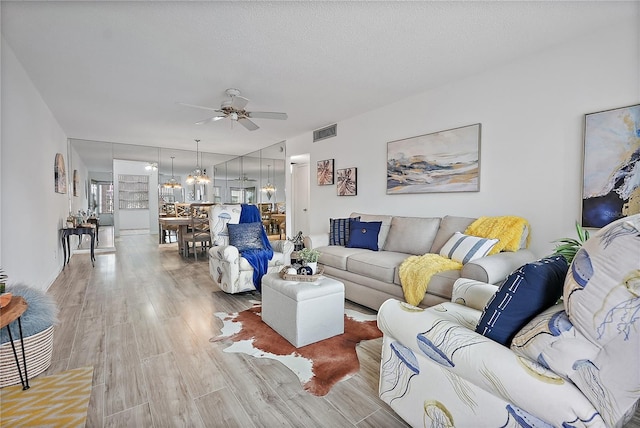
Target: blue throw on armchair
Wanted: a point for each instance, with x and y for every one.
(258, 259)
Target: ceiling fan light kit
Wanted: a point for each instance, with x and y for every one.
(234, 109)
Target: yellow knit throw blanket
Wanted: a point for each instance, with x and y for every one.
(508, 229)
(416, 272)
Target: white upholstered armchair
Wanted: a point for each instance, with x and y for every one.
(227, 268)
(574, 364)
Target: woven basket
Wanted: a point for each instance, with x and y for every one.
(300, 278)
(38, 350)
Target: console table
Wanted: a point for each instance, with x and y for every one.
(13, 311)
(80, 230)
(95, 221)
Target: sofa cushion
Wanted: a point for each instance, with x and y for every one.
(464, 248)
(412, 235)
(528, 291)
(448, 226)
(339, 231)
(384, 228)
(246, 236)
(336, 256)
(364, 234)
(380, 265)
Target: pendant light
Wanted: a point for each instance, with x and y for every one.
(172, 183)
(268, 188)
(198, 176)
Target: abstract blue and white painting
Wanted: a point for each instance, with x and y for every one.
(611, 181)
(445, 161)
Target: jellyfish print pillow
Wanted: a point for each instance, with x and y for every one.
(602, 289)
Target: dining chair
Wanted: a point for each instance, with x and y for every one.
(169, 210)
(199, 233)
(182, 210)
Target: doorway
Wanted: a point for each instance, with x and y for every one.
(301, 200)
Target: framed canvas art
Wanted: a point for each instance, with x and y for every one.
(324, 172)
(59, 174)
(445, 161)
(611, 170)
(347, 181)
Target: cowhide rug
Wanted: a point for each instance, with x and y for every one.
(319, 365)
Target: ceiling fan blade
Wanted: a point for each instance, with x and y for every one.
(238, 102)
(266, 115)
(200, 107)
(248, 124)
(211, 119)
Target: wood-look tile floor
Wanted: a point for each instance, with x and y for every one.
(143, 317)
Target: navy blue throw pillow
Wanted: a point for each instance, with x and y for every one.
(529, 290)
(246, 236)
(364, 234)
(339, 230)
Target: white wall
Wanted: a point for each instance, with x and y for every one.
(32, 213)
(135, 219)
(532, 114)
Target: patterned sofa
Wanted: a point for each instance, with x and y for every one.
(372, 277)
(573, 364)
(233, 273)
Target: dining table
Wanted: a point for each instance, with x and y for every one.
(182, 223)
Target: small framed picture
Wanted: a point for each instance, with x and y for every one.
(324, 172)
(347, 181)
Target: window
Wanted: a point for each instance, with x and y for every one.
(102, 197)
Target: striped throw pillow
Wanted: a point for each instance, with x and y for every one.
(339, 231)
(464, 248)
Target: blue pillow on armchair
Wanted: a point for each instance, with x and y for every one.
(529, 290)
(364, 234)
(246, 236)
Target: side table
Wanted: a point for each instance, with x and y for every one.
(13, 311)
(80, 230)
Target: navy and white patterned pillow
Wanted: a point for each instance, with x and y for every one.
(339, 230)
(529, 290)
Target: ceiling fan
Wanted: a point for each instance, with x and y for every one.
(234, 109)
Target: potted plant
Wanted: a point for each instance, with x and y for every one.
(309, 258)
(568, 247)
(3, 280)
(5, 298)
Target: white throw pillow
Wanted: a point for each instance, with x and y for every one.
(465, 248)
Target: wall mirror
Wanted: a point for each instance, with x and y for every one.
(95, 162)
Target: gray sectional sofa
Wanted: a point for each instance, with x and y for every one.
(372, 277)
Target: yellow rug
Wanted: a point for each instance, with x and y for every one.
(59, 400)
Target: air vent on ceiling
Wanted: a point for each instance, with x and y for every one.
(326, 132)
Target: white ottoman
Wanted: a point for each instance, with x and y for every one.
(303, 312)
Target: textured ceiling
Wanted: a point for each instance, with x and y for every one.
(113, 71)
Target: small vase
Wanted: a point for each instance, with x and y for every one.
(313, 266)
